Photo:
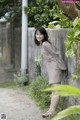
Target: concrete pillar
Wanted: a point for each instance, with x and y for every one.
(24, 66)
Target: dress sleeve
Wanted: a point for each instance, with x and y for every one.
(50, 49)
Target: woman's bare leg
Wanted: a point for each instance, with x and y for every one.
(54, 103)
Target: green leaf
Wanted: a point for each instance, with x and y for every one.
(78, 69)
(65, 90)
(75, 77)
(39, 58)
(58, 26)
(69, 111)
(70, 53)
(77, 33)
(75, 22)
(51, 26)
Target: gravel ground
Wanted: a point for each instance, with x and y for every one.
(18, 106)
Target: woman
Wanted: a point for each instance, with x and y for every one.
(55, 65)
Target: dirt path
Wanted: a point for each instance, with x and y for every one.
(18, 106)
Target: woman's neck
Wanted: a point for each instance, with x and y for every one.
(40, 42)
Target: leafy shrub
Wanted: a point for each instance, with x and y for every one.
(41, 13)
(66, 90)
(38, 66)
(72, 41)
(60, 20)
(36, 87)
(21, 79)
(72, 44)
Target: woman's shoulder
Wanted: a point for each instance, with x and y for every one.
(46, 43)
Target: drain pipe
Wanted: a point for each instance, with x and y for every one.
(24, 44)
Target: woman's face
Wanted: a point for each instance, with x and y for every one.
(39, 36)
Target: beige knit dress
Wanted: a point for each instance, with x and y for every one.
(54, 63)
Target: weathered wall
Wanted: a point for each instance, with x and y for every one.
(13, 46)
(3, 41)
(17, 34)
(4, 75)
(72, 63)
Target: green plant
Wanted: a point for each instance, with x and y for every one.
(34, 90)
(8, 85)
(36, 87)
(66, 90)
(73, 39)
(21, 79)
(40, 13)
(38, 66)
(60, 19)
(11, 10)
(72, 44)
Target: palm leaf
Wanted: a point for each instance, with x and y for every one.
(65, 90)
(69, 111)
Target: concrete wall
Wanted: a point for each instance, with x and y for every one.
(3, 38)
(72, 65)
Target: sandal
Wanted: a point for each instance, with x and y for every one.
(48, 113)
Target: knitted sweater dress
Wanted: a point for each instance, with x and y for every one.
(54, 63)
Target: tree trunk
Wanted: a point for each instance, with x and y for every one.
(70, 9)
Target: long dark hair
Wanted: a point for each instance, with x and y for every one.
(43, 32)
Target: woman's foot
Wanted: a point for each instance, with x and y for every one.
(48, 113)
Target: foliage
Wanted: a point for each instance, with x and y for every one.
(21, 79)
(34, 90)
(69, 91)
(36, 87)
(15, 16)
(40, 13)
(11, 10)
(8, 85)
(72, 43)
(63, 21)
(5, 5)
(66, 90)
(74, 77)
(69, 111)
(72, 117)
(73, 38)
(38, 66)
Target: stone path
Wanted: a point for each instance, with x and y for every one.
(18, 106)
